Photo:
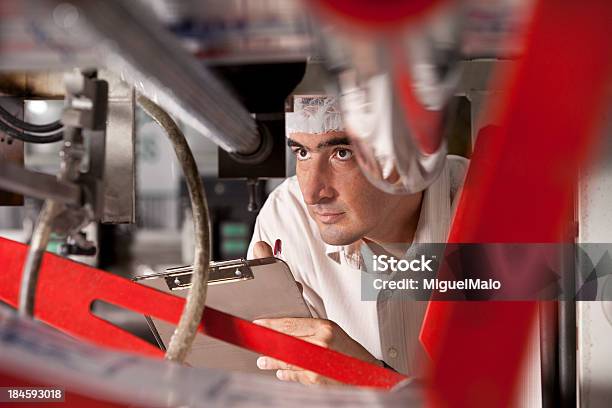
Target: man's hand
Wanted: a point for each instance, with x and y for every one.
(324, 333)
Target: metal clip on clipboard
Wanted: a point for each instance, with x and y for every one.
(179, 277)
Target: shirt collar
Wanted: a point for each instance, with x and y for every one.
(349, 254)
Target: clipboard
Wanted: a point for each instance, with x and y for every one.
(250, 289)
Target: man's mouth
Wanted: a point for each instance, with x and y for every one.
(328, 217)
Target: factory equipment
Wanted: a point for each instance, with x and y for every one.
(228, 71)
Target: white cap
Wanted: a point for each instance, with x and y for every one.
(314, 114)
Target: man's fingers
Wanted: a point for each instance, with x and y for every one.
(269, 363)
(261, 249)
(295, 326)
(290, 375)
(304, 377)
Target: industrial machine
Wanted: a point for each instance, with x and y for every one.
(85, 86)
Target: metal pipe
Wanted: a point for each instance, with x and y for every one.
(38, 185)
(185, 333)
(178, 82)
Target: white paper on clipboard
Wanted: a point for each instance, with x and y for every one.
(249, 289)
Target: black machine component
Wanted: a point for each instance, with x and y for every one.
(78, 246)
(231, 222)
(263, 89)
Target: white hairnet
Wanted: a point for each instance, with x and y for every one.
(314, 114)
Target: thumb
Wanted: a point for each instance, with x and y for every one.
(262, 250)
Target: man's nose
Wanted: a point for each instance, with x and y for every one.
(316, 184)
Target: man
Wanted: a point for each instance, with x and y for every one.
(323, 216)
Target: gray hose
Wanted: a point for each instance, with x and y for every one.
(194, 307)
(71, 159)
(38, 246)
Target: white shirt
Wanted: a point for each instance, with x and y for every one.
(330, 274)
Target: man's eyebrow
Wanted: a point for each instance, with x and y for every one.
(336, 141)
(293, 143)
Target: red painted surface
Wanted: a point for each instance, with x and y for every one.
(376, 16)
(66, 289)
(519, 190)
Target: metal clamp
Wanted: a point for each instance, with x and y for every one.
(179, 278)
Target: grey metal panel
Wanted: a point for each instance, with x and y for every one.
(475, 83)
(119, 169)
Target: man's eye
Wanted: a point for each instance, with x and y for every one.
(344, 154)
(302, 154)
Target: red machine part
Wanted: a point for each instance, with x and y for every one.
(519, 190)
(66, 290)
(375, 15)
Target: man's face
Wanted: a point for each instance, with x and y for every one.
(345, 206)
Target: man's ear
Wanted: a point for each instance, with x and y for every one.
(261, 249)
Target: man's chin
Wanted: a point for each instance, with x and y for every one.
(333, 235)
